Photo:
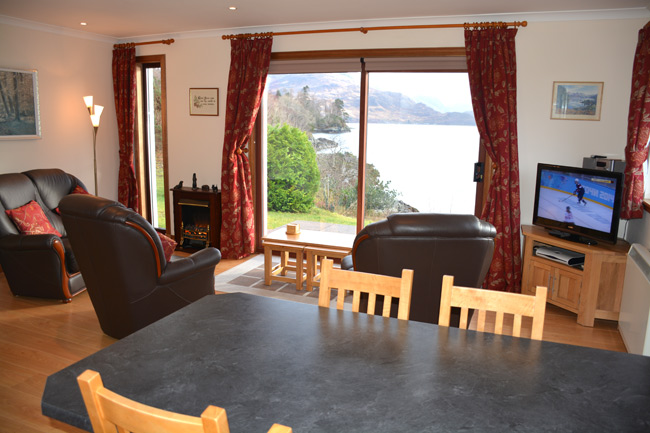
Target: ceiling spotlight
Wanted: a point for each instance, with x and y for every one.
(233, 8)
(84, 24)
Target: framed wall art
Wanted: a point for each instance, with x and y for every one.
(19, 109)
(574, 100)
(204, 102)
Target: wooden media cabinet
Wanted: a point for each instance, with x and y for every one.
(592, 291)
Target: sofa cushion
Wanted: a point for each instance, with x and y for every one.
(169, 245)
(31, 220)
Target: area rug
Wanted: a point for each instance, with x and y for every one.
(249, 278)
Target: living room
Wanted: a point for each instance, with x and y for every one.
(586, 46)
(568, 46)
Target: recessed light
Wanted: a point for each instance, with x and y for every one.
(233, 8)
(84, 24)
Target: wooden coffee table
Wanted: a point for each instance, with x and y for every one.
(308, 244)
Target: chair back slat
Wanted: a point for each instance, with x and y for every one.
(110, 412)
(498, 324)
(372, 284)
(502, 303)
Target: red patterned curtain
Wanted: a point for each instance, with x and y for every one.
(638, 129)
(249, 65)
(493, 82)
(124, 87)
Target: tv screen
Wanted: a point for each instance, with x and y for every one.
(579, 204)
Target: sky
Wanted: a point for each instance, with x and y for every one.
(448, 90)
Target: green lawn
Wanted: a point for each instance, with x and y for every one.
(278, 219)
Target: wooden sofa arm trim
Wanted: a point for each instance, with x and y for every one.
(65, 280)
(354, 249)
(151, 242)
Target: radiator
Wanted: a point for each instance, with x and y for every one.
(634, 323)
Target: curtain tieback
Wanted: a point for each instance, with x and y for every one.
(240, 151)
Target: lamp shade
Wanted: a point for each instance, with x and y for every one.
(98, 110)
(89, 101)
(97, 113)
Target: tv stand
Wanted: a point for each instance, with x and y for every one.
(572, 238)
(593, 292)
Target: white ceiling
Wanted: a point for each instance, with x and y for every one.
(133, 18)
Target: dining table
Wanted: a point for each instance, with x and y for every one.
(319, 369)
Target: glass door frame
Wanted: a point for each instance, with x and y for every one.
(140, 152)
(256, 150)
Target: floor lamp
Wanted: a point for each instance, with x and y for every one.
(95, 112)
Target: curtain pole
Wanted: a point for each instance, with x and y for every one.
(365, 30)
(134, 44)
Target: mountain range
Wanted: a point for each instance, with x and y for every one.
(383, 106)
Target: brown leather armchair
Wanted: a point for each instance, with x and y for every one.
(41, 265)
(130, 283)
(432, 245)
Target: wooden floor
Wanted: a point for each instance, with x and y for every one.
(40, 337)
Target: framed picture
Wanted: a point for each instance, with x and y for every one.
(576, 100)
(19, 110)
(204, 102)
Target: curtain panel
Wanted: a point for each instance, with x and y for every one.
(249, 66)
(638, 129)
(124, 87)
(492, 74)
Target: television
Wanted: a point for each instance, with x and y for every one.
(578, 204)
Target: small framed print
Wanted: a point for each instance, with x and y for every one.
(576, 100)
(19, 110)
(204, 101)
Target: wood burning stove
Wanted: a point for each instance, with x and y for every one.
(197, 218)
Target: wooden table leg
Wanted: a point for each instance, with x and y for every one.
(312, 263)
(299, 272)
(268, 257)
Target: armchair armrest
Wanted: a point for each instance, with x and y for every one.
(35, 265)
(19, 243)
(178, 269)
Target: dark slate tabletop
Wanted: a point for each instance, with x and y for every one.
(322, 370)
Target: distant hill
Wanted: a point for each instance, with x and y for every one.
(382, 105)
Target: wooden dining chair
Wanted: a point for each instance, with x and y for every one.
(489, 300)
(109, 411)
(362, 282)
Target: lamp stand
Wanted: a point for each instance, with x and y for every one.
(95, 128)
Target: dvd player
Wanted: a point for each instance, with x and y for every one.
(561, 255)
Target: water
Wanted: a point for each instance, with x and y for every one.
(431, 166)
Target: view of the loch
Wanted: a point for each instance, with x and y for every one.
(422, 144)
(439, 157)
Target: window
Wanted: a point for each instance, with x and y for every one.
(408, 120)
(151, 148)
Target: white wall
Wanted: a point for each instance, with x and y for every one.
(571, 51)
(68, 68)
(194, 142)
(547, 51)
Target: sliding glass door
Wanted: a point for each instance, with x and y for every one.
(312, 164)
(422, 144)
(413, 131)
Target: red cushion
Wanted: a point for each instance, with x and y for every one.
(79, 190)
(31, 220)
(169, 245)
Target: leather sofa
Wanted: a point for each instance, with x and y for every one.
(40, 265)
(129, 281)
(432, 245)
